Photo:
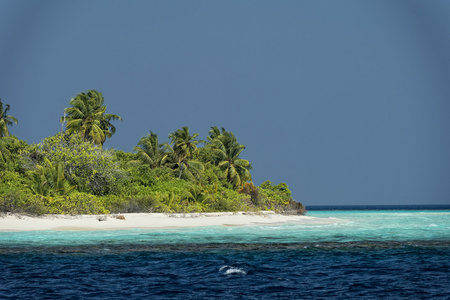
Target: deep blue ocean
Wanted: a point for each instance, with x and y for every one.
(356, 253)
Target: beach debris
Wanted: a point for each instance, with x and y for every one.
(102, 218)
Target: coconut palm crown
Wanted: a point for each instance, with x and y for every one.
(184, 146)
(5, 120)
(150, 151)
(87, 117)
(226, 150)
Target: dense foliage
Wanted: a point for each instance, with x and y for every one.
(70, 173)
(87, 117)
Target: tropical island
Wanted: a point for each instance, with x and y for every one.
(71, 173)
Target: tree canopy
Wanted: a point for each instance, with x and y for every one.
(151, 152)
(69, 172)
(227, 150)
(184, 146)
(87, 116)
(5, 120)
(5, 138)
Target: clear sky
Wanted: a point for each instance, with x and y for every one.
(348, 102)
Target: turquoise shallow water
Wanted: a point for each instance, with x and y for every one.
(392, 254)
(349, 226)
(383, 225)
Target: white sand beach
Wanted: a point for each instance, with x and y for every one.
(14, 222)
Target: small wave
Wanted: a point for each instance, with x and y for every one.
(229, 270)
(271, 228)
(433, 225)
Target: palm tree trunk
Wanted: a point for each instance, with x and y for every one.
(181, 170)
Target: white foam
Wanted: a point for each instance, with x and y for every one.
(232, 270)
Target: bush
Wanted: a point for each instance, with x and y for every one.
(77, 204)
(295, 208)
(17, 202)
(250, 189)
(144, 175)
(279, 194)
(143, 204)
(87, 166)
(228, 200)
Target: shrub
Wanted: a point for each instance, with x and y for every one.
(228, 200)
(140, 204)
(77, 204)
(86, 165)
(18, 202)
(10, 181)
(250, 189)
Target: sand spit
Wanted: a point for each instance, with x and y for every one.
(15, 222)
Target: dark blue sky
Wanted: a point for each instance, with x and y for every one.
(348, 102)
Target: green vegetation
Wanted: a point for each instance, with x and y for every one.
(5, 139)
(87, 117)
(70, 173)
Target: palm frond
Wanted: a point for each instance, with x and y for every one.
(87, 115)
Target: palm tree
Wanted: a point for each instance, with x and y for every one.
(5, 154)
(150, 152)
(5, 139)
(87, 116)
(48, 179)
(196, 194)
(214, 133)
(184, 145)
(5, 120)
(227, 150)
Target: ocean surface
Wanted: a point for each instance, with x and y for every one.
(390, 252)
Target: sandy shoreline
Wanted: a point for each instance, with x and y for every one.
(14, 222)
